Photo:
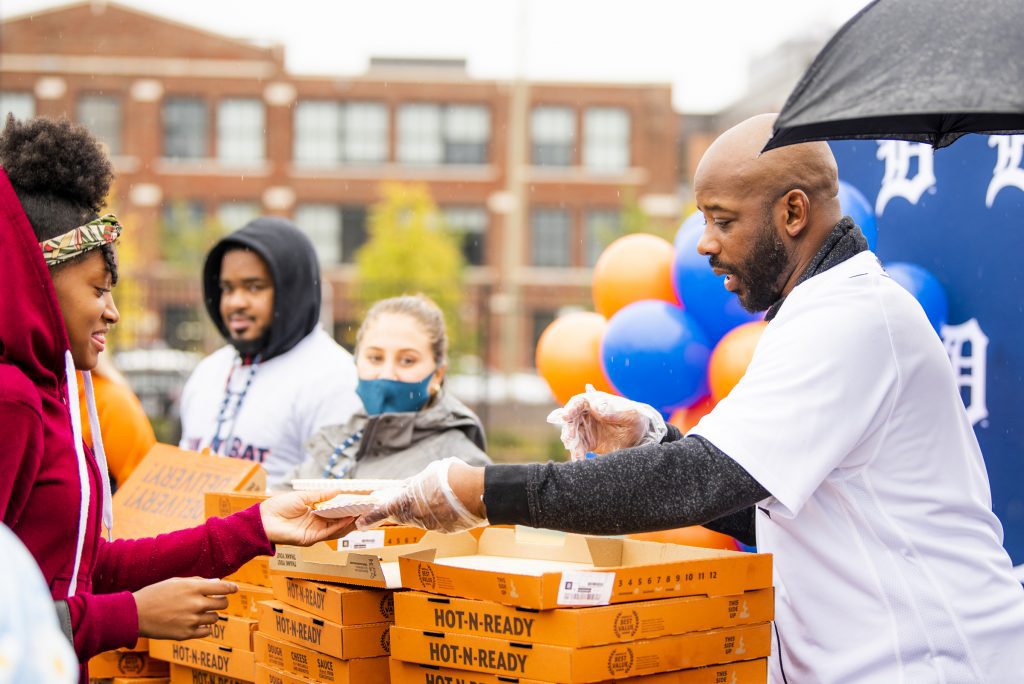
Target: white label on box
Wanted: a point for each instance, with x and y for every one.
(580, 588)
(367, 539)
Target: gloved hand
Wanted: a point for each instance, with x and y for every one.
(425, 500)
(599, 422)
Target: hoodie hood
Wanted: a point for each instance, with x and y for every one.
(295, 270)
(32, 334)
(34, 340)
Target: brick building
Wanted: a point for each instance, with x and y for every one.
(531, 173)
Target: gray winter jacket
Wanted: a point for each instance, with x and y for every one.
(396, 445)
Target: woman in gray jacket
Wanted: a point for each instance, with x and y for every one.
(408, 419)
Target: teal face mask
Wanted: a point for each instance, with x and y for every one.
(393, 396)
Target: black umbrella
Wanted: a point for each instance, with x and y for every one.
(921, 70)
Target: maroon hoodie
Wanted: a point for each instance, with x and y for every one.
(40, 488)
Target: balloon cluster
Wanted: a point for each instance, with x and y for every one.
(667, 332)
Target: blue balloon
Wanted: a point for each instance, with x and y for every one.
(656, 353)
(925, 287)
(855, 205)
(703, 294)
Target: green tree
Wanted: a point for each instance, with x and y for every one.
(186, 238)
(410, 250)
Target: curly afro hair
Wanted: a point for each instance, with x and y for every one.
(60, 174)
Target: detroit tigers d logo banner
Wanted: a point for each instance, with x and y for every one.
(959, 212)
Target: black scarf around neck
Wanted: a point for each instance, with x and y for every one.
(844, 241)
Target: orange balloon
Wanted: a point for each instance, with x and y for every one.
(690, 536)
(634, 267)
(569, 355)
(731, 357)
(686, 418)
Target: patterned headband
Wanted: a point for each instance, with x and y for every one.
(93, 234)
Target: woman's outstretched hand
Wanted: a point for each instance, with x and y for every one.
(289, 519)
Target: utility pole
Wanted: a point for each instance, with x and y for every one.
(513, 235)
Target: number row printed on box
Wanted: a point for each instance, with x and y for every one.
(501, 567)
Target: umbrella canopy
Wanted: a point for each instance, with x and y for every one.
(921, 70)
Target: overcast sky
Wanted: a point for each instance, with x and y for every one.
(702, 47)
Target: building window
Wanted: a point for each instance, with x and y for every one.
(101, 114)
(332, 133)
(603, 226)
(470, 224)
(419, 134)
(241, 131)
(467, 132)
(549, 230)
(182, 214)
(317, 133)
(606, 139)
(337, 232)
(540, 321)
(553, 132)
(353, 232)
(429, 134)
(234, 215)
(322, 223)
(185, 128)
(366, 132)
(21, 105)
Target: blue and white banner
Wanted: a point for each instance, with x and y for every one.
(959, 212)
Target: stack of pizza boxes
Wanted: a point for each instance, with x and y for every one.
(128, 666)
(332, 610)
(227, 656)
(568, 608)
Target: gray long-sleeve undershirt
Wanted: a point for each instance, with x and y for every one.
(687, 481)
(659, 486)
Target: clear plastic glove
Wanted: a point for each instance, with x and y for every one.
(599, 422)
(425, 500)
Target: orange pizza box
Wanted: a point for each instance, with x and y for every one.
(243, 603)
(300, 661)
(525, 568)
(233, 631)
(743, 672)
(256, 571)
(369, 567)
(580, 627)
(187, 675)
(165, 492)
(126, 663)
(334, 602)
(200, 654)
(268, 675)
(140, 680)
(342, 641)
(223, 504)
(592, 664)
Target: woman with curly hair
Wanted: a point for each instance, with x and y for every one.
(60, 266)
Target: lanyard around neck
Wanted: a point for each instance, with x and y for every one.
(217, 441)
(337, 453)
